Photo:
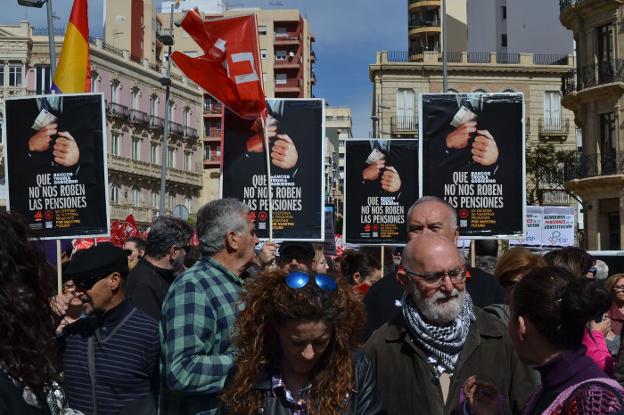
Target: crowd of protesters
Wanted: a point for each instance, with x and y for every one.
(228, 327)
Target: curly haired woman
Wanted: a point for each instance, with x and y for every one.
(28, 370)
(296, 340)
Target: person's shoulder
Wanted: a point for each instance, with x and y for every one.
(601, 396)
(144, 319)
(390, 332)
(488, 324)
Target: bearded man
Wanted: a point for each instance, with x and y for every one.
(424, 356)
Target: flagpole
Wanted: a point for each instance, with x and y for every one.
(268, 168)
(51, 39)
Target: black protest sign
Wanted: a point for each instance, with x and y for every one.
(473, 157)
(55, 162)
(296, 136)
(381, 183)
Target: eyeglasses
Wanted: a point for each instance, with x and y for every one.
(436, 279)
(297, 280)
(618, 288)
(128, 251)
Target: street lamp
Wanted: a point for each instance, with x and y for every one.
(51, 41)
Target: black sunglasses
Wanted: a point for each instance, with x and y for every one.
(88, 283)
(298, 279)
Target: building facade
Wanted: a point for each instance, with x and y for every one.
(424, 21)
(338, 128)
(397, 83)
(135, 108)
(594, 92)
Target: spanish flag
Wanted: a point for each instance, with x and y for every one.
(73, 72)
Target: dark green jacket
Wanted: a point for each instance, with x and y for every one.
(409, 385)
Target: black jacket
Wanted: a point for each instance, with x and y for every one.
(366, 399)
(147, 286)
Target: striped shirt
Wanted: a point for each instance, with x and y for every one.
(197, 316)
(126, 357)
(297, 406)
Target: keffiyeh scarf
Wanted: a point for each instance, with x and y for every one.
(441, 343)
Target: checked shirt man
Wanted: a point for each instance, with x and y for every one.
(200, 309)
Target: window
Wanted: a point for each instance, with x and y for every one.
(171, 158)
(154, 153)
(263, 54)
(1, 74)
(115, 92)
(607, 134)
(188, 161)
(207, 152)
(115, 195)
(280, 55)
(504, 12)
(281, 79)
(552, 110)
(171, 111)
(15, 75)
(136, 196)
(614, 230)
(42, 85)
(281, 31)
(171, 201)
(136, 148)
(155, 199)
(115, 144)
(480, 91)
(218, 153)
(504, 40)
(153, 105)
(605, 43)
(405, 108)
(186, 117)
(188, 202)
(262, 30)
(134, 99)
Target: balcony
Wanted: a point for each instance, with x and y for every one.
(212, 134)
(191, 133)
(141, 214)
(404, 124)
(594, 165)
(211, 108)
(416, 4)
(156, 122)
(554, 127)
(288, 61)
(593, 75)
(176, 128)
(117, 110)
(152, 171)
(139, 117)
(508, 58)
(289, 38)
(555, 198)
(289, 85)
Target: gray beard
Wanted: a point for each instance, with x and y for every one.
(441, 314)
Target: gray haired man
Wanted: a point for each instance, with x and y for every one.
(200, 308)
(166, 247)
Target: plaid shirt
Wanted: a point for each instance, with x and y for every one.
(197, 315)
(299, 407)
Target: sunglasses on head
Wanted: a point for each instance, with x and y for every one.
(296, 280)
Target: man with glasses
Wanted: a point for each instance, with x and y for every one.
(295, 256)
(200, 308)
(110, 357)
(166, 247)
(426, 354)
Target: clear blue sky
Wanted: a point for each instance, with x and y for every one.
(348, 33)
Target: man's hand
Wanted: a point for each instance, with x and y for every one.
(390, 180)
(459, 137)
(284, 153)
(267, 253)
(484, 149)
(373, 171)
(60, 303)
(66, 152)
(40, 141)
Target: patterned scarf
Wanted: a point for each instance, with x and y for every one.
(442, 343)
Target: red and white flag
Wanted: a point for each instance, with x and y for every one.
(230, 68)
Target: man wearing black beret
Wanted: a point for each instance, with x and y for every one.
(110, 357)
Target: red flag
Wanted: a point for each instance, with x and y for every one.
(230, 69)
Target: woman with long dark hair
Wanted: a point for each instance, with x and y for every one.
(28, 371)
(296, 343)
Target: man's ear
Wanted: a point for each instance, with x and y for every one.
(456, 235)
(402, 278)
(231, 240)
(522, 327)
(115, 281)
